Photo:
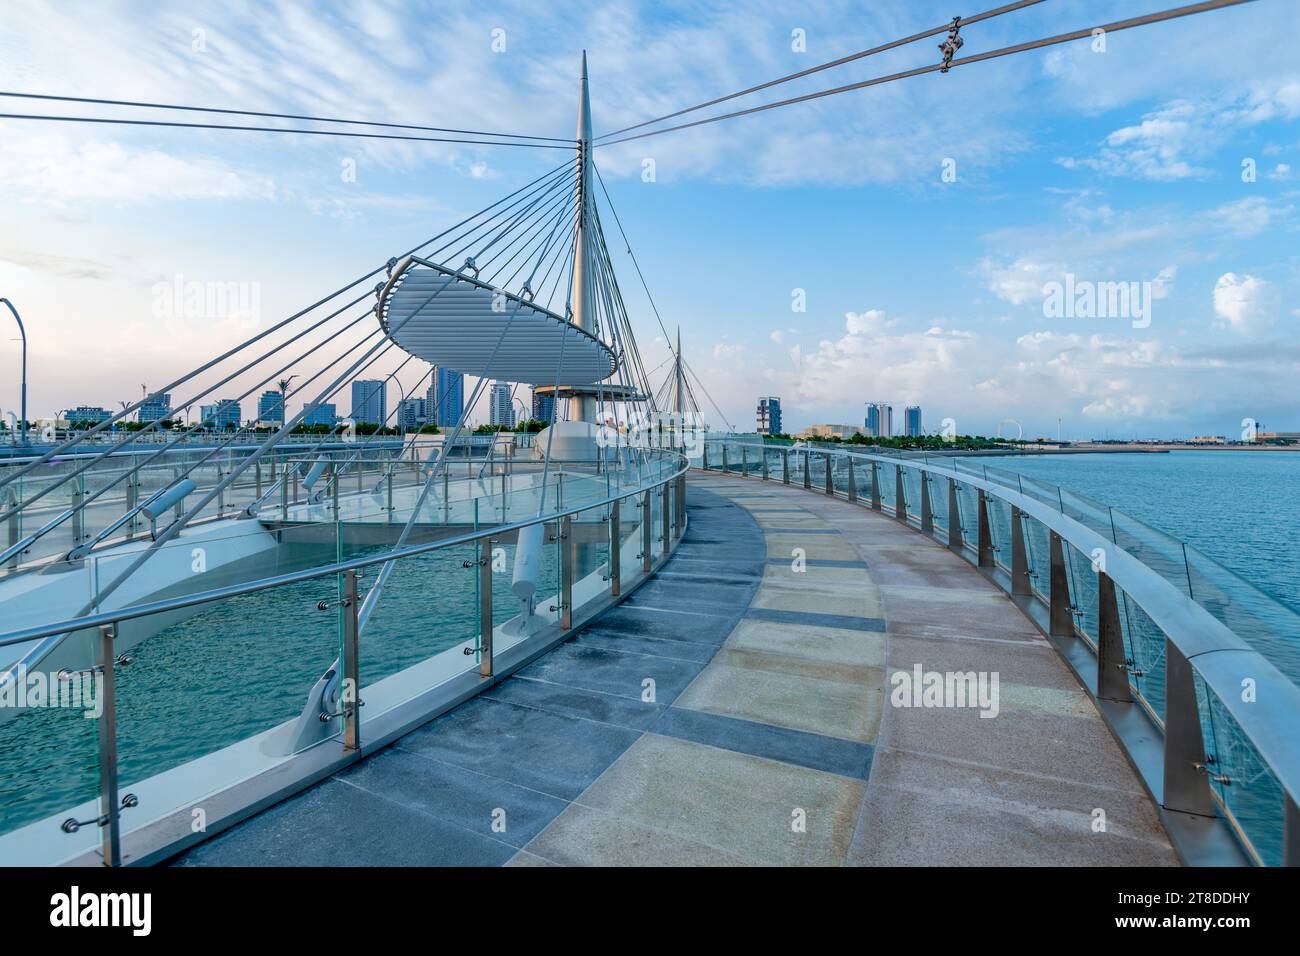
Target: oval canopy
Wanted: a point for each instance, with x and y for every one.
(453, 321)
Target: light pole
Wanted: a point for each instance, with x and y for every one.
(22, 423)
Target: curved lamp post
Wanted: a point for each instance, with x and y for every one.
(22, 422)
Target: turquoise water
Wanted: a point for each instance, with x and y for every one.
(239, 667)
(1239, 508)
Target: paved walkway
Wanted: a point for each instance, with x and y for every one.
(734, 711)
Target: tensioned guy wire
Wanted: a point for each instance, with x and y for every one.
(1118, 25)
(140, 104)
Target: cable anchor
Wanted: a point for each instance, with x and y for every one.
(950, 46)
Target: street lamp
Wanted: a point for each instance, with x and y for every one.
(23, 332)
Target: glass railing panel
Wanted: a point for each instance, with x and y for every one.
(938, 487)
(1039, 555)
(425, 618)
(234, 674)
(1160, 552)
(912, 491)
(862, 478)
(1264, 622)
(49, 757)
(968, 513)
(1240, 778)
(1000, 529)
(1083, 591)
(1088, 513)
(1144, 648)
(591, 569)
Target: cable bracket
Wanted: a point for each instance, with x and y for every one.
(950, 46)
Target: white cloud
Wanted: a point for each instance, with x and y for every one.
(1241, 301)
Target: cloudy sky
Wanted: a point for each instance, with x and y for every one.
(890, 244)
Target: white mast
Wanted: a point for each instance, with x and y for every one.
(582, 304)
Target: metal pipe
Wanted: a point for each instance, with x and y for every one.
(22, 423)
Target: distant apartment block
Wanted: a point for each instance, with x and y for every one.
(411, 414)
(769, 415)
(445, 399)
(323, 414)
(880, 420)
(543, 407)
(830, 431)
(92, 414)
(155, 406)
(270, 408)
(369, 401)
(501, 410)
(223, 415)
(912, 421)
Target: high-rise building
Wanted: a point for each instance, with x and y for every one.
(270, 408)
(155, 406)
(502, 409)
(222, 416)
(769, 415)
(323, 414)
(543, 407)
(411, 414)
(880, 420)
(912, 421)
(369, 401)
(446, 398)
(92, 414)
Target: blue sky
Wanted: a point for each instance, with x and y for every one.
(1117, 166)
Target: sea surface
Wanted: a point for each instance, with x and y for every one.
(1242, 509)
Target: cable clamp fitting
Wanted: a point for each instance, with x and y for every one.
(950, 46)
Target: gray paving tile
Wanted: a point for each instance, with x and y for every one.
(817, 620)
(613, 672)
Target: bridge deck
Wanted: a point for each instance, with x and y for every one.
(735, 710)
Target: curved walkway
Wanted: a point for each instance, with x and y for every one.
(730, 712)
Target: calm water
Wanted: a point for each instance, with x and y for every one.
(1239, 508)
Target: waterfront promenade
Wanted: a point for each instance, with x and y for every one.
(734, 711)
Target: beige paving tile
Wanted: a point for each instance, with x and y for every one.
(834, 645)
(758, 688)
(733, 803)
(585, 836)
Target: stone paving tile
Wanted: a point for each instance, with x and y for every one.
(742, 805)
(835, 645)
(924, 810)
(834, 708)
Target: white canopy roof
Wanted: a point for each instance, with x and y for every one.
(457, 322)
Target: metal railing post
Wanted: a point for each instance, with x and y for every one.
(724, 457)
(666, 507)
(1187, 770)
(987, 557)
(351, 665)
(485, 662)
(1061, 617)
(615, 550)
(762, 457)
(927, 509)
(955, 540)
(830, 476)
(132, 496)
(78, 514)
(179, 509)
(1112, 668)
(704, 456)
(389, 508)
(1290, 831)
(876, 504)
(284, 495)
(110, 830)
(1019, 557)
(853, 484)
(646, 533)
(681, 506)
(744, 462)
(568, 560)
(14, 533)
(807, 469)
(900, 495)
(257, 479)
(334, 484)
(785, 466)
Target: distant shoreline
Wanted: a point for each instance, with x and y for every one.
(1155, 449)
